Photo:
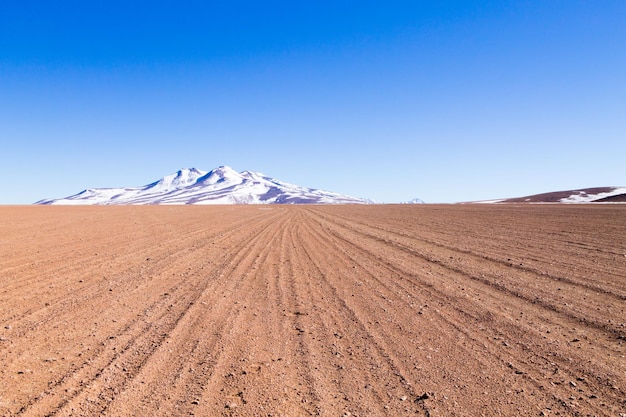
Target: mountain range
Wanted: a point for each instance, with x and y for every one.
(222, 185)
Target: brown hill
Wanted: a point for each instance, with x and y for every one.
(584, 195)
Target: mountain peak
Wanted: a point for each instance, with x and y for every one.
(221, 174)
(189, 171)
(181, 178)
(224, 171)
(413, 201)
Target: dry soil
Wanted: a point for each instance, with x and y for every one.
(461, 310)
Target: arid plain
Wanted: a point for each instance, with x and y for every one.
(458, 310)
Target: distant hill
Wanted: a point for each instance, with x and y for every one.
(413, 201)
(585, 195)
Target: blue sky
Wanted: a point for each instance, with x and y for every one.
(442, 100)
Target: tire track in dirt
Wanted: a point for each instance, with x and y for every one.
(260, 375)
(312, 310)
(464, 315)
(364, 369)
(226, 312)
(521, 240)
(523, 284)
(511, 281)
(142, 352)
(97, 258)
(396, 322)
(93, 286)
(391, 236)
(148, 326)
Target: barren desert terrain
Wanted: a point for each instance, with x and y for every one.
(462, 310)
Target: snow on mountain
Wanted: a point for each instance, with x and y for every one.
(585, 195)
(413, 201)
(223, 185)
(182, 178)
(593, 195)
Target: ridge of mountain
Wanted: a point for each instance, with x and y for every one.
(582, 195)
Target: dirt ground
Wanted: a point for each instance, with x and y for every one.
(460, 310)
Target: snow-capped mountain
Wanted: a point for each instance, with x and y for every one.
(596, 195)
(223, 185)
(413, 201)
(584, 195)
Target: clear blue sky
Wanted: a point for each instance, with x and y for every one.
(442, 100)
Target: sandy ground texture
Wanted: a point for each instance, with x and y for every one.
(313, 310)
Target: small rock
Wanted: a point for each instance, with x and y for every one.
(403, 398)
(422, 397)
(572, 383)
(195, 402)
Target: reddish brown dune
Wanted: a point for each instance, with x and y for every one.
(313, 310)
